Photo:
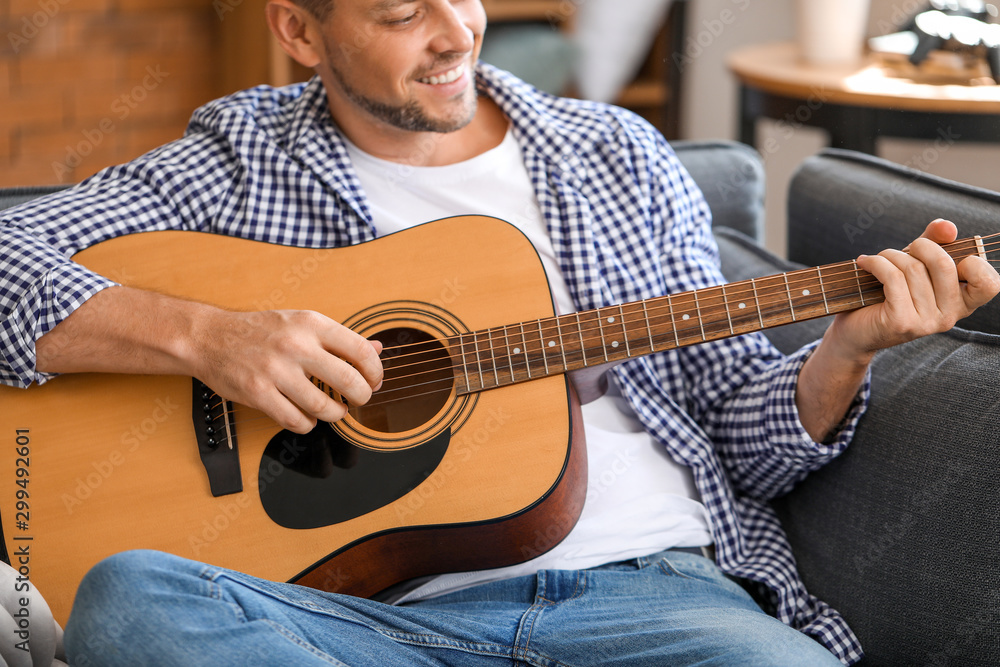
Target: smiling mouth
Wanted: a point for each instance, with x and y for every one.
(447, 77)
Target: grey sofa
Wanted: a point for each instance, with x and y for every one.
(902, 532)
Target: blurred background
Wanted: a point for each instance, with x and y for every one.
(89, 83)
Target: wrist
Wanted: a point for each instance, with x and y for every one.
(841, 351)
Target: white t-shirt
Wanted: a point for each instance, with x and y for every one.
(639, 501)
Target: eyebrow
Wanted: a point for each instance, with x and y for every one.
(389, 5)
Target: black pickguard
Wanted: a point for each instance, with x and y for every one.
(319, 479)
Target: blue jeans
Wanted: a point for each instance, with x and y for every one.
(673, 608)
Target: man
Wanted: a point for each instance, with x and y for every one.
(392, 129)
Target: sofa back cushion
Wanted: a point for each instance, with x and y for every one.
(842, 204)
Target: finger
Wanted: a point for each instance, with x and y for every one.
(378, 347)
(904, 281)
(342, 377)
(311, 402)
(943, 275)
(285, 412)
(940, 231)
(981, 282)
(359, 352)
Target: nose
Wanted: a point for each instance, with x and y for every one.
(454, 28)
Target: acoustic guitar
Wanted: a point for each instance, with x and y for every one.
(469, 456)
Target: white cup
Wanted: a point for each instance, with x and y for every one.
(831, 32)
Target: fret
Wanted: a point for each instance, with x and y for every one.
(505, 354)
(697, 308)
(756, 300)
(465, 365)
(634, 329)
(600, 334)
(609, 326)
(685, 306)
(542, 347)
(583, 345)
(527, 359)
(479, 361)
(822, 288)
(807, 284)
(729, 317)
(673, 320)
(562, 344)
(788, 291)
(491, 341)
(857, 279)
(713, 313)
(621, 314)
(739, 299)
(649, 328)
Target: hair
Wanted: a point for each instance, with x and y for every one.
(318, 8)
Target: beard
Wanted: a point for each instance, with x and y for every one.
(409, 115)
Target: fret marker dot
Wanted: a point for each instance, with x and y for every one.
(741, 305)
(805, 292)
(685, 316)
(517, 350)
(614, 343)
(552, 343)
(611, 319)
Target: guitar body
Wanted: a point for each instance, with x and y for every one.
(95, 464)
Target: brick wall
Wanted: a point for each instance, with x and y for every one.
(89, 83)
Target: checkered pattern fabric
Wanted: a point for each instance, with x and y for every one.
(627, 223)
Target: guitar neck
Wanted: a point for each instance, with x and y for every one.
(530, 350)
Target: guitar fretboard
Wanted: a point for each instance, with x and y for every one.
(525, 351)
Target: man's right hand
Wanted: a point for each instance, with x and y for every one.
(267, 359)
(260, 359)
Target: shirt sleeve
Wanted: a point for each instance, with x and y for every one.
(740, 390)
(40, 284)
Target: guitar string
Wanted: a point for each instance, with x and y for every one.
(853, 275)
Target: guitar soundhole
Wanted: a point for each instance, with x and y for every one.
(417, 383)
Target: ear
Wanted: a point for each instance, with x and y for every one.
(296, 29)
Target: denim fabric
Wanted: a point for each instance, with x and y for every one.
(673, 608)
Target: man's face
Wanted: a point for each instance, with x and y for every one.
(403, 64)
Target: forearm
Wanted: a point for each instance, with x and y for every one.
(828, 385)
(124, 330)
(261, 359)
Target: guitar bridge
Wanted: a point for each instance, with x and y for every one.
(215, 431)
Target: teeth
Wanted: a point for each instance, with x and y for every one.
(447, 77)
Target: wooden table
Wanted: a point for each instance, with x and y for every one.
(857, 104)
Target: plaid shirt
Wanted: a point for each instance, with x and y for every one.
(627, 223)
